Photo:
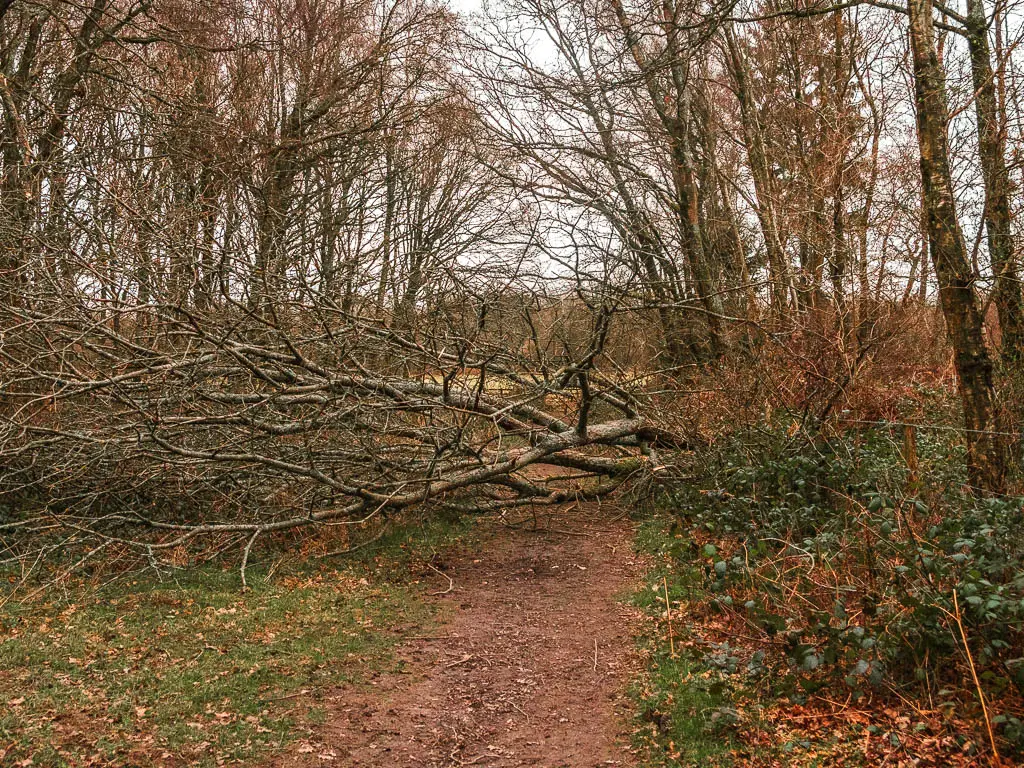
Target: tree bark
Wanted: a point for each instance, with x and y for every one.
(756, 158)
(986, 454)
(998, 218)
(677, 133)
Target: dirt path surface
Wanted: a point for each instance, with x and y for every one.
(529, 669)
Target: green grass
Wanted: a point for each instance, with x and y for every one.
(684, 706)
(193, 671)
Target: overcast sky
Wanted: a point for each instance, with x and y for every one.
(464, 6)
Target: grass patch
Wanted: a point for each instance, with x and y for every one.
(685, 707)
(192, 671)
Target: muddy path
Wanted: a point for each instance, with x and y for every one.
(528, 666)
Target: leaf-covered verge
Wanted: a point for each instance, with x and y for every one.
(684, 710)
(190, 670)
(821, 598)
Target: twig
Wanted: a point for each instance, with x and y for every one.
(476, 759)
(303, 692)
(668, 618)
(245, 557)
(451, 582)
(520, 709)
(562, 532)
(958, 618)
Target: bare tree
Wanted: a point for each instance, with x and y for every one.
(986, 458)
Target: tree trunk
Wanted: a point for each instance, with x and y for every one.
(765, 209)
(998, 219)
(986, 454)
(677, 134)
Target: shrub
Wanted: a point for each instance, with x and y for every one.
(848, 576)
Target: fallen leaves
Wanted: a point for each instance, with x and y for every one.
(128, 671)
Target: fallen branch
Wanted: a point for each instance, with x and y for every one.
(451, 582)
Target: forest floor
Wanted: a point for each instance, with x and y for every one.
(528, 664)
(491, 641)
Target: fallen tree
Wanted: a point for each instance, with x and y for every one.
(153, 429)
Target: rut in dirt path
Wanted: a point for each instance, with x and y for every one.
(529, 669)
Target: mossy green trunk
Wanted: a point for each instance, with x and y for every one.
(986, 453)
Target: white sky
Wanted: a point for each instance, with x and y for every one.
(465, 6)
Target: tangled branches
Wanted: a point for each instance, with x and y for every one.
(155, 428)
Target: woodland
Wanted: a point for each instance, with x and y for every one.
(284, 280)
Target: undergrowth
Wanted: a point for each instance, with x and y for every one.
(684, 704)
(816, 572)
(189, 670)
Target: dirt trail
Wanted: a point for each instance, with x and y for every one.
(528, 670)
